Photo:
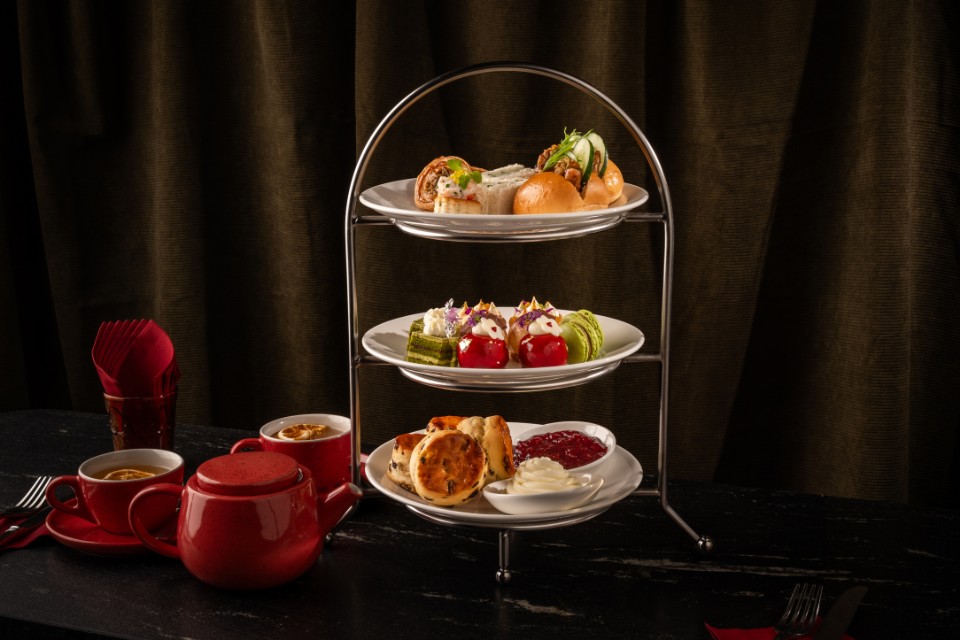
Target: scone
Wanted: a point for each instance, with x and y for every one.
(443, 423)
(493, 433)
(399, 468)
(448, 467)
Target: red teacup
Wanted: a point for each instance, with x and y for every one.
(327, 458)
(105, 502)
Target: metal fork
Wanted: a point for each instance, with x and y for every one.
(32, 500)
(800, 616)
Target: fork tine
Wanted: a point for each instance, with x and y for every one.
(29, 494)
(813, 608)
(40, 497)
(38, 487)
(35, 495)
(792, 603)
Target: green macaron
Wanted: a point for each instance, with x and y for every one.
(583, 336)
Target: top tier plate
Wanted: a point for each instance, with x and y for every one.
(395, 201)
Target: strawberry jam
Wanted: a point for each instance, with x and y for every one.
(571, 449)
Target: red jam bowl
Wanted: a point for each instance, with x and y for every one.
(580, 446)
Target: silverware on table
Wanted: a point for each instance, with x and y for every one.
(32, 522)
(800, 616)
(837, 620)
(33, 499)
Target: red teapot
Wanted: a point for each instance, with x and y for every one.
(251, 520)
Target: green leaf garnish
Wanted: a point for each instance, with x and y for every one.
(565, 147)
(460, 175)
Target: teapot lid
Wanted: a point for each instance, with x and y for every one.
(248, 473)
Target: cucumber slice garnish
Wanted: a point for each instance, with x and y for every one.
(583, 152)
(598, 145)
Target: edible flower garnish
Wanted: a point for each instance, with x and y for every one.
(460, 175)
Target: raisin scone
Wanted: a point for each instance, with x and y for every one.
(443, 423)
(493, 433)
(448, 467)
(399, 468)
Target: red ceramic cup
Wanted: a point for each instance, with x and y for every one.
(105, 502)
(328, 458)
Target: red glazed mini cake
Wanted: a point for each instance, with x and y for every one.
(483, 343)
(543, 345)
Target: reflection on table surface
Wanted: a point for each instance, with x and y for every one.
(630, 572)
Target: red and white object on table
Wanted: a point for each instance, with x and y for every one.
(135, 358)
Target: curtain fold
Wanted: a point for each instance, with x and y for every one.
(189, 162)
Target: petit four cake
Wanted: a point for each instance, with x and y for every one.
(543, 346)
(433, 338)
(483, 343)
(526, 313)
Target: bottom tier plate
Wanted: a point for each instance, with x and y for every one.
(622, 475)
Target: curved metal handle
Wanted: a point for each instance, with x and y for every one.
(519, 67)
(498, 67)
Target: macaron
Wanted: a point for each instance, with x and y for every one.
(583, 335)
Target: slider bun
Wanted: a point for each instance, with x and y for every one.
(613, 178)
(548, 192)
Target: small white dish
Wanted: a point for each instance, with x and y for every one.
(546, 502)
(604, 435)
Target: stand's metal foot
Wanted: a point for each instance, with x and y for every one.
(705, 545)
(503, 573)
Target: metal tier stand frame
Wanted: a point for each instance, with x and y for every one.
(704, 543)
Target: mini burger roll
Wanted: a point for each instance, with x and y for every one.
(549, 192)
(613, 179)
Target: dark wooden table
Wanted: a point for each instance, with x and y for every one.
(629, 573)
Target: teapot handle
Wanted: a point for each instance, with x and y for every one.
(247, 444)
(140, 530)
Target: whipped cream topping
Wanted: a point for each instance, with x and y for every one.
(544, 325)
(442, 322)
(541, 475)
(488, 327)
(435, 322)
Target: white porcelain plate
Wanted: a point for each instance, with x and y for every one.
(388, 342)
(621, 472)
(395, 201)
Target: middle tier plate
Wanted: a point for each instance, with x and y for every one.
(388, 342)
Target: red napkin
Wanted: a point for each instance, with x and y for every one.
(135, 358)
(761, 633)
(21, 540)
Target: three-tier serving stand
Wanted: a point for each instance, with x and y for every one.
(453, 233)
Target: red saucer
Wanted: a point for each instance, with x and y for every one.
(85, 536)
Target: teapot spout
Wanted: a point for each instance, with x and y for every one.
(332, 506)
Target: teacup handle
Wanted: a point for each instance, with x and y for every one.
(140, 530)
(79, 509)
(247, 444)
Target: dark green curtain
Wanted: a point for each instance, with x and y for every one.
(189, 162)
